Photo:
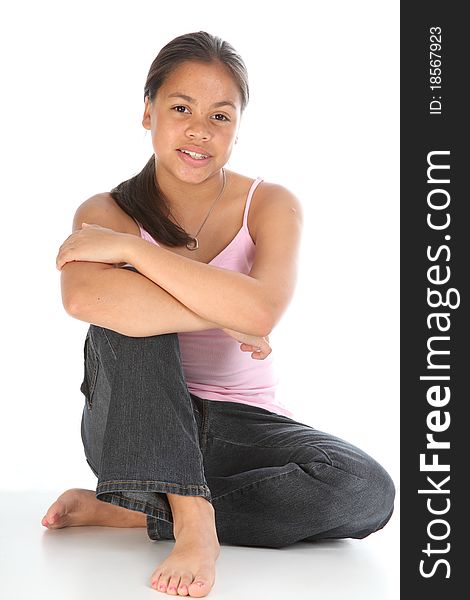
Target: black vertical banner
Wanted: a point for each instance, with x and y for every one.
(435, 314)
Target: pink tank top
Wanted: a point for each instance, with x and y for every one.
(214, 366)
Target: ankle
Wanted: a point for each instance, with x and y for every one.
(189, 505)
(191, 512)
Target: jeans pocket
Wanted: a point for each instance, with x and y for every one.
(91, 366)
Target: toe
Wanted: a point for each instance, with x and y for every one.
(155, 579)
(200, 586)
(53, 514)
(161, 584)
(173, 584)
(183, 588)
(51, 519)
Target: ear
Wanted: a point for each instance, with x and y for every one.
(146, 118)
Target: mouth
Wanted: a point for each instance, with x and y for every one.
(194, 155)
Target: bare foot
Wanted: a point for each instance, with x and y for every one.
(189, 570)
(78, 507)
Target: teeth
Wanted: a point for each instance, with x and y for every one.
(195, 154)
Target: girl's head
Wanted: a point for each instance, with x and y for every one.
(194, 96)
(202, 47)
(196, 90)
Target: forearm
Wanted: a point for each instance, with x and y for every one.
(233, 300)
(126, 302)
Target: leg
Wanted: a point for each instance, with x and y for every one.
(140, 436)
(137, 418)
(275, 481)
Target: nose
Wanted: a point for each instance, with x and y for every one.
(197, 129)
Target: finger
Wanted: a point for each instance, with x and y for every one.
(249, 348)
(60, 261)
(93, 225)
(262, 354)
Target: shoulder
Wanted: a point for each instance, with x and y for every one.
(101, 209)
(275, 195)
(274, 204)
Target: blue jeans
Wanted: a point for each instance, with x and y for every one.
(271, 480)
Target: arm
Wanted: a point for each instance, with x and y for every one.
(124, 301)
(250, 303)
(119, 299)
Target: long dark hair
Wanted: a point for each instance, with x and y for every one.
(140, 197)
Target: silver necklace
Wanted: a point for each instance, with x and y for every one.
(193, 243)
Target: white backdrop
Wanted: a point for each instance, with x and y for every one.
(323, 120)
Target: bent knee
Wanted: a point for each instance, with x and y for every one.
(119, 341)
(374, 501)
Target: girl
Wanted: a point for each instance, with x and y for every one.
(182, 272)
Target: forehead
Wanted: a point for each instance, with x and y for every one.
(202, 81)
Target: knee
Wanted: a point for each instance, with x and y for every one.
(117, 342)
(373, 501)
(363, 493)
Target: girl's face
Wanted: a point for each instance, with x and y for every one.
(197, 110)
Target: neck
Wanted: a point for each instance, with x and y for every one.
(186, 198)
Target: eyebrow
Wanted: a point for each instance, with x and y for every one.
(189, 99)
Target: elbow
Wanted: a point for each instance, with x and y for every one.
(264, 332)
(73, 304)
(72, 307)
(264, 322)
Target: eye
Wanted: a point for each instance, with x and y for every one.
(177, 108)
(223, 117)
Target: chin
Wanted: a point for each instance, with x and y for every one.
(187, 173)
(197, 175)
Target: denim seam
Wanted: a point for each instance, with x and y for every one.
(150, 482)
(109, 342)
(157, 513)
(255, 483)
(155, 487)
(343, 470)
(90, 375)
(152, 528)
(325, 454)
(204, 424)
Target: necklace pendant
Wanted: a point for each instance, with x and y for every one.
(193, 244)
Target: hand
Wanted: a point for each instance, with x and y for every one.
(257, 345)
(94, 243)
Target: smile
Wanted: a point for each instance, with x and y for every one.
(195, 155)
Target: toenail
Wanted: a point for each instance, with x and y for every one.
(199, 583)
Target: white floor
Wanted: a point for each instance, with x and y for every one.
(91, 563)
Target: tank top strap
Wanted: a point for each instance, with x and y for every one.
(251, 191)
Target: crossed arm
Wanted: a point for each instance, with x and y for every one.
(172, 293)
